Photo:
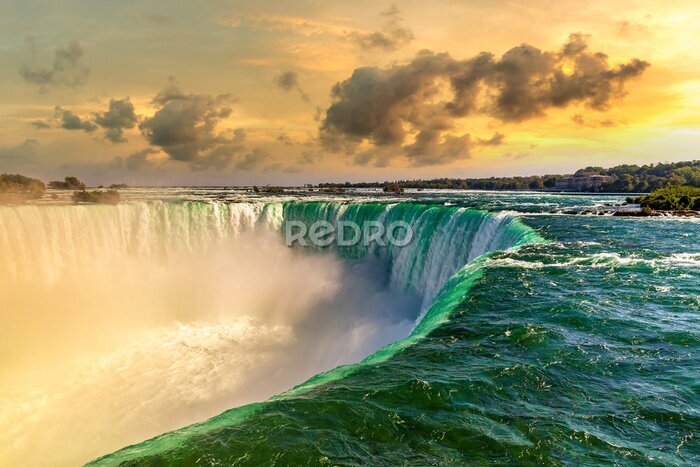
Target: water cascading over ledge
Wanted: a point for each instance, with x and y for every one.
(46, 242)
(444, 238)
(438, 266)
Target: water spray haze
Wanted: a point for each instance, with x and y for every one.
(192, 309)
(122, 322)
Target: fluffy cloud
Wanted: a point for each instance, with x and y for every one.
(66, 69)
(374, 103)
(119, 116)
(289, 81)
(70, 121)
(384, 106)
(185, 127)
(116, 119)
(392, 36)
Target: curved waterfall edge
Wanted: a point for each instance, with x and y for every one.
(442, 306)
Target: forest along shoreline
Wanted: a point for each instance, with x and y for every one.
(672, 201)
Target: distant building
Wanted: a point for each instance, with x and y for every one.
(582, 182)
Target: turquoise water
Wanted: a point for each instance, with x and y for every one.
(581, 345)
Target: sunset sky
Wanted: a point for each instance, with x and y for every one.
(233, 92)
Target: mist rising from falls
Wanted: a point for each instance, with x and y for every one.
(141, 318)
(444, 239)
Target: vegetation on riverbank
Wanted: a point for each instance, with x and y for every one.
(393, 188)
(97, 197)
(268, 189)
(68, 183)
(674, 198)
(624, 179)
(15, 188)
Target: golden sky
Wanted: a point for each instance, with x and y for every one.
(233, 92)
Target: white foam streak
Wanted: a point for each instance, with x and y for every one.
(605, 260)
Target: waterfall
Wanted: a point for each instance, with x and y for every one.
(201, 305)
(444, 238)
(43, 243)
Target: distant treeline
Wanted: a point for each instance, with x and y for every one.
(16, 189)
(625, 179)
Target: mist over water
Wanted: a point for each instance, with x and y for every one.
(123, 322)
(120, 323)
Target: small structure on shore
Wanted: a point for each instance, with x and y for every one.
(584, 181)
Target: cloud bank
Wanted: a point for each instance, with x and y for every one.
(384, 106)
(25, 151)
(120, 116)
(70, 121)
(185, 127)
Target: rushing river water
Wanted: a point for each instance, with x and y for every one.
(505, 331)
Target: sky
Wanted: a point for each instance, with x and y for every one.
(156, 92)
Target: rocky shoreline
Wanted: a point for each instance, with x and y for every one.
(629, 210)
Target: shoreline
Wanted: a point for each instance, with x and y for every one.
(630, 211)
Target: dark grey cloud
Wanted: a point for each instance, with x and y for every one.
(432, 148)
(381, 106)
(70, 121)
(309, 157)
(119, 116)
(23, 152)
(375, 157)
(185, 126)
(289, 81)
(221, 155)
(66, 69)
(285, 139)
(375, 104)
(41, 124)
(255, 159)
(392, 36)
(496, 140)
(134, 162)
